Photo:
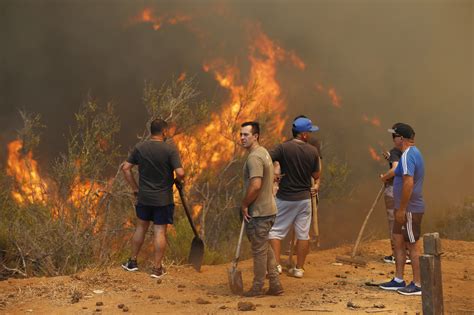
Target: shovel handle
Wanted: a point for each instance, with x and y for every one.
(186, 209)
(237, 252)
(379, 195)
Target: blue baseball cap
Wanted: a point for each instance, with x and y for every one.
(304, 125)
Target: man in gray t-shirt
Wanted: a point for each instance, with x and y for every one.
(158, 161)
(259, 210)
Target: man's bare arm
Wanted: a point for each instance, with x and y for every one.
(390, 173)
(407, 190)
(127, 172)
(179, 172)
(251, 195)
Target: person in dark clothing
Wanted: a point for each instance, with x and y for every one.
(158, 162)
(298, 162)
(392, 156)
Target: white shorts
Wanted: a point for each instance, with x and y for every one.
(297, 213)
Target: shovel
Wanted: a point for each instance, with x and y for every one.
(196, 253)
(234, 275)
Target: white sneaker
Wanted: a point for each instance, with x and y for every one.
(279, 269)
(296, 272)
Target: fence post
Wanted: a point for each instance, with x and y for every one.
(431, 280)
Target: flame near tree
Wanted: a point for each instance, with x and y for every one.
(30, 187)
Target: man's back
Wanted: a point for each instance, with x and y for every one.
(156, 160)
(410, 164)
(298, 160)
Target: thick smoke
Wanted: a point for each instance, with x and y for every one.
(396, 61)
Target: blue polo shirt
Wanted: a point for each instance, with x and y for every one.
(410, 164)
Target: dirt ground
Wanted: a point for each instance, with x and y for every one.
(327, 287)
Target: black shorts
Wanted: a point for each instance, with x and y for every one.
(159, 215)
(411, 229)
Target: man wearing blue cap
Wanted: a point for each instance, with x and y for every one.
(299, 162)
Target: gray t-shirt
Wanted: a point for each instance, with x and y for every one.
(156, 162)
(395, 155)
(259, 164)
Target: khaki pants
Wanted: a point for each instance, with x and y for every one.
(263, 258)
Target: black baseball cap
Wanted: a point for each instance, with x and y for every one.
(404, 130)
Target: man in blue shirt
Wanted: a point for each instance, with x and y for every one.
(409, 209)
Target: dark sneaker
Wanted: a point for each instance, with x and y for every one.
(392, 285)
(411, 289)
(157, 272)
(130, 265)
(389, 259)
(275, 290)
(254, 292)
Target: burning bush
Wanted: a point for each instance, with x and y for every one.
(61, 223)
(83, 213)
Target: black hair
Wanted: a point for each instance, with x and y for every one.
(157, 126)
(255, 127)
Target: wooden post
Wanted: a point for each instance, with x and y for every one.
(431, 280)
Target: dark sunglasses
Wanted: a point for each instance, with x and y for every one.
(395, 135)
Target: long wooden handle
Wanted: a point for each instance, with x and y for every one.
(237, 251)
(186, 209)
(354, 251)
(314, 216)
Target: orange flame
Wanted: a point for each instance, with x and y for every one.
(31, 188)
(336, 100)
(331, 92)
(374, 155)
(24, 169)
(374, 121)
(215, 143)
(147, 16)
(197, 208)
(181, 77)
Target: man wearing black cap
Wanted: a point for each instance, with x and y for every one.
(409, 209)
(299, 162)
(392, 156)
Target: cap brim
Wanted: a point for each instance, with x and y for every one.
(314, 128)
(391, 130)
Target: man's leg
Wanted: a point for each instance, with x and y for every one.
(276, 247)
(391, 219)
(302, 225)
(415, 261)
(257, 232)
(413, 235)
(400, 255)
(280, 228)
(159, 241)
(139, 237)
(302, 249)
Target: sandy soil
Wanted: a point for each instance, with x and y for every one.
(327, 287)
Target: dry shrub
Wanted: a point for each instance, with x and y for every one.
(87, 219)
(458, 222)
(81, 218)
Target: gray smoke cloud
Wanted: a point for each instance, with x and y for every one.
(408, 61)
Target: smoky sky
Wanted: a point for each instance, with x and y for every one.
(408, 61)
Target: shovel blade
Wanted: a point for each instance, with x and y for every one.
(235, 281)
(196, 254)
